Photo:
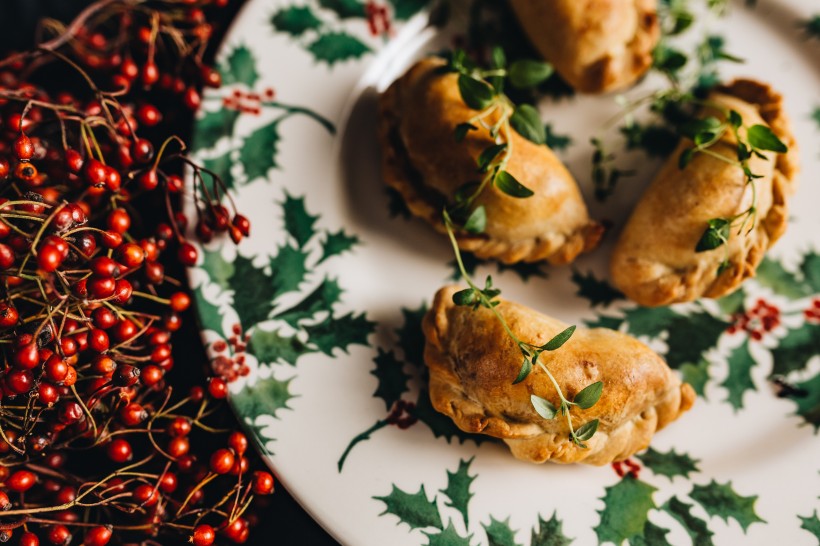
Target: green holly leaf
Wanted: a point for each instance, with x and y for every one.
(240, 67)
(340, 332)
(219, 270)
(550, 533)
(649, 321)
(808, 405)
(333, 47)
(556, 141)
(816, 116)
(439, 424)
(458, 489)
(265, 397)
(212, 126)
(652, 536)
(337, 243)
(811, 524)
(448, 537)
(411, 337)
(208, 314)
(721, 500)
(796, 349)
(288, 270)
(524, 270)
(499, 533)
(626, 510)
(253, 292)
(691, 336)
(297, 220)
(604, 321)
(295, 20)
(414, 509)
(221, 167)
(669, 464)
(392, 377)
(271, 347)
(696, 527)
(405, 9)
(258, 152)
(733, 303)
(696, 375)
(598, 292)
(772, 274)
(344, 9)
(739, 379)
(323, 298)
(810, 268)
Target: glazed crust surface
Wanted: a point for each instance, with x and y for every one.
(423, 162)
(596, 45)
(655, 263)
(473, 363)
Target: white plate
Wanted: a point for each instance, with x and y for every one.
(323, 286)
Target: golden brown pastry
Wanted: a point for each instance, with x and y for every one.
(473, 363)
(422, 160)
(595, 45)
(655, 263)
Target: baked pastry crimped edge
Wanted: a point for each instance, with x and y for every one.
(472, 364)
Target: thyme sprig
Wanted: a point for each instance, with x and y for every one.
(477, 297)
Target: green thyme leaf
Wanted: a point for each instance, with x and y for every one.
(465, 297)
(525, 73)
(497, 61)
(526, 368)
(526, 121)
(488, 155)
(734, 119)
(743, 152)
(762, 138)
(705, 138)
(586, 431)
(490, 292)
(559, 340)
(543, 407)
(462, 129)
(715, 235)
(477, 221)
(475, 93)
(507, 183)
(589, 396)
(696, 126)
(465, 191)
(686, 157)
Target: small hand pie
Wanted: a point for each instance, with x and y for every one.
(595, 45)
(473, 363)
(422, 160)
(655, 263)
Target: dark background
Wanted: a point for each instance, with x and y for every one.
(282, 521)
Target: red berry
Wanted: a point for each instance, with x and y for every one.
(103, 318)
(111, 239)
(101, 287)
(8, 315)
(59, 535)
(191, 99)
(119, 450)
(262, 483)
(124, 330)
(25, 171)
(21, 481)
(148, 180)
(187, 254)
(180, 426)
(150, 74)
(222, 461)
(49, 258)
(133, 414)
(47, 393)
(236, 531)
(129, 69)
(179, 447)
(238, 442)
(104, 365)
(180, 301)
(98, 340)
(5, 503)
(113, 180)
(95, 172)
(122, 292)
(175, 183)
(130, 255)
(6, 255)
(210, 77)
(142, 150)
(154, 272)
(204, 535)
(87, 244)
(19, 381)
(149, 115)
(151, 375)
(118, 221)
(29, 539)
(126, 375)
(73, 160)
(242, 224)
(217, 388)
(4, 168)
(98, 536)
(23, 148)
(56, 369)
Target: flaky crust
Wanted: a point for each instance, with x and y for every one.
(655, 263)
(595, 45)
(473, 363)
(421, 159)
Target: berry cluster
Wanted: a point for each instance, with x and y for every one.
(402, 414)
(759, 320)
(248, 103)
(632, 469)
(229, 363)
(812, 314)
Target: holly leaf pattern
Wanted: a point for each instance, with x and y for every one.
(598, 292)
(212, 126)
(295, 20)
(253, 292)
(411, 337)
(337, 243)
(458, 489)
(219, 270)
(239, 67)
(321, 299)
(221, 167)
(626, 510)
(796, 349)
(334, 47)
(649, 321)
(808, 403)
(696, 527)
(404, 9)
(258, 151)
(448, 537)
(556, 141)
(344, 9)
(288, 270)
(810, 268)
(696, 375)
(772, 274)
(271, 347)
(669, 464)
(811, 524)
(652, 536)
(265, 397)
(207, 313)
(691, 336)
(392, 378)
(732, 303)
(604, 321)
(499, 533)
(340, 332)
(297, 220)
(415, 509)
(721, 500)
(550, 533)
(739, 379)
(816, 116)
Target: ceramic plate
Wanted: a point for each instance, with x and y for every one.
(322, 304)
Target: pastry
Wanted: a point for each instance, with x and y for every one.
(424, 162)
(655, 262)
(595, 45)
(473, 364)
